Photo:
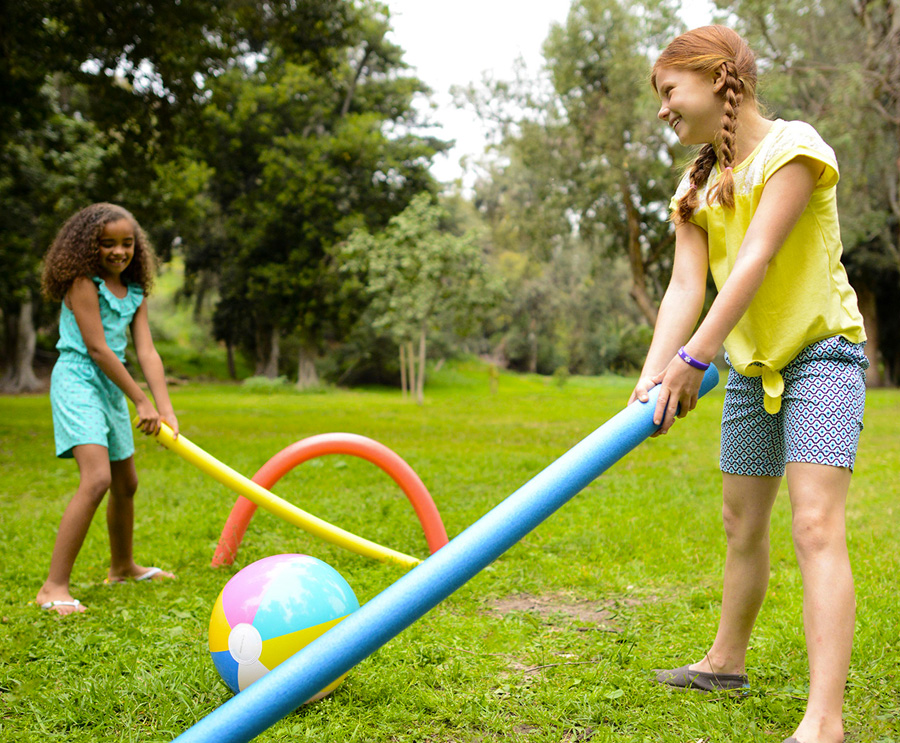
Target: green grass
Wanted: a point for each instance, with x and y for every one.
(553, 642)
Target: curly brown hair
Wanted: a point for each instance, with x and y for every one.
(707, 50)
(75, 251)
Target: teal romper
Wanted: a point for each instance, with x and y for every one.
(88, 407)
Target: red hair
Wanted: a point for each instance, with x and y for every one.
(707, 50)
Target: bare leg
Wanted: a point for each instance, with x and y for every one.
(746, 512)
(93, 466)
(120, 523)
(818, 499)
(120, 517)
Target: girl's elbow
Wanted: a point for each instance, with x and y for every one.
(758, 255)
(686, 296)
(147, 357)
(97, 351)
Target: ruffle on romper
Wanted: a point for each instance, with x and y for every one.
(125, 306)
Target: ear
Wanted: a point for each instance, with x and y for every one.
(719, 79)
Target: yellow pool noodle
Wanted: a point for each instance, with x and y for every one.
(272, 503)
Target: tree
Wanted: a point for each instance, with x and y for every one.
(598, 62)
(44, 175)
(303, 153)
(418, 277)
(136, 72)
(580, 185)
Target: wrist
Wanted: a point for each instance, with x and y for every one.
(690, 360)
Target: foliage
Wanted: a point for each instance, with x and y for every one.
(45, 174)
(555, 641)
(598, 62)
(303, 153)
(265, 385)
(93, 89)
(580, 185)
(418, 277)
(248, 135)
(254, 137)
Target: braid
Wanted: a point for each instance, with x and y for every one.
(733, 94)
(709, 50)
(699, 174)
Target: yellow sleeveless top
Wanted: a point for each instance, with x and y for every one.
(805, 296)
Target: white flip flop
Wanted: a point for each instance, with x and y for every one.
(53, 604)
(149, 574)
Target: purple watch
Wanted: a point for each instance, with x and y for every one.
(691, 361)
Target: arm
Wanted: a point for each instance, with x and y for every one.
(85, 304)
(784, 198)
(680, 308)
(152, 367)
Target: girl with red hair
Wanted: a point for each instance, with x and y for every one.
(757, 208)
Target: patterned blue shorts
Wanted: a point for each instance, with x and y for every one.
(88, 408)
(821, 414)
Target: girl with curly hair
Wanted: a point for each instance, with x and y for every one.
(758, 209)
(100, 266)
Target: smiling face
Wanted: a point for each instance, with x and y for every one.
(116, 248)
(690, 103)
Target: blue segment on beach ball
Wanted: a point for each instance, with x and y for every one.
(310, 592)
(272, 609)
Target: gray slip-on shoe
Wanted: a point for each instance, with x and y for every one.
(685, 678)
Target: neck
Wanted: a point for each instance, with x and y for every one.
(751, 128)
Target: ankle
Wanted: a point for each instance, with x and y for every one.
(715, 662)
(820, 730)
(53, 591)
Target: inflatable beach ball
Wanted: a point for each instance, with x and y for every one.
(272, 609)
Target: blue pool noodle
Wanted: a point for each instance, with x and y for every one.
(300, 677)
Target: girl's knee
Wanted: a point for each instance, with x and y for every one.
(94, 485)
(742, 531)
(124, 487)
(816, 530)
(124, 479)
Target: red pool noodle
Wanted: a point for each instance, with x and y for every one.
(333, 443)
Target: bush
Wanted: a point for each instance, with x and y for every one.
(561, 376)
(266, 386)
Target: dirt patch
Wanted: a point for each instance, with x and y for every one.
(552, 608)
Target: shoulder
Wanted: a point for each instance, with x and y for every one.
(799, 134)
(134, 300)
(82, 293)
(792, 139)
(84, 286)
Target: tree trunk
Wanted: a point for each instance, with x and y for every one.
(306, 370)
(229, 350)
(403, 375)
(269, 355)
(869, 312)
(638, 289)
(411, 366)
(351, 89)
(532, 345)
(420, 382)
(20, 376)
